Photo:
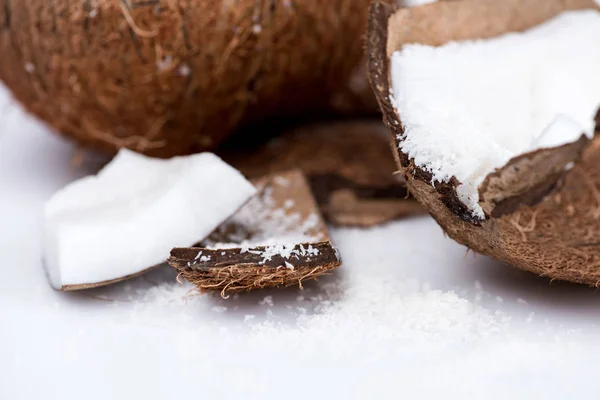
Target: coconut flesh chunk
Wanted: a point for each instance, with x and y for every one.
(467, 108)
(127, 218)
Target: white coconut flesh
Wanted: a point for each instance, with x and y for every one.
(468, 107)
(130, 215)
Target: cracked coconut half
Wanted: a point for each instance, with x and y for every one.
(493, 108)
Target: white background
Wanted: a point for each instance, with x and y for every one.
(154, 342)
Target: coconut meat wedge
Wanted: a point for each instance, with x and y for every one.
(125, 220)
(493, 108)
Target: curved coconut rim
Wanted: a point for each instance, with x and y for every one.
(545, 177)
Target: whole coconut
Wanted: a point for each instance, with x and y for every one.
(167, 77)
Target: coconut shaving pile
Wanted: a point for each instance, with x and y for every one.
(469, 107)
(368, 303)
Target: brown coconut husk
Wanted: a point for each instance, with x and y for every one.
(348, 164)
(541, 217)
(176, 77)
(233, 269)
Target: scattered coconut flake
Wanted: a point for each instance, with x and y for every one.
(29, 68)
(165, 63)
(522, 301)
(129, 216)
(289, 203)
(469, 107)
(414, 3)
(281, 181)
(184, 70)
(267, 300)
(219, 309)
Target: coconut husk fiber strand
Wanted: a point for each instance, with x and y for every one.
(348, 164)
(176, 77)
(247, 252)
(553, 227)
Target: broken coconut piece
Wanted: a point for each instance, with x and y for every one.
(348, 164)
(500, 94)
(277, 239)
(237, 269)
(533, 199)
(124, 220)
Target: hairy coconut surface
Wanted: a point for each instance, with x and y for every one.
(173, 77)
(540, 217)
(238, 270)
(348, 164)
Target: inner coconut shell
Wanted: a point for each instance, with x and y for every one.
(539, 216)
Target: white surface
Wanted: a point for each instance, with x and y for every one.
(129, 216)
(409, 316)
(469, 107)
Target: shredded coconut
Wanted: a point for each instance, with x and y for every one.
(184, 70)
(368, 306)
(469, 107)
(165, 63)
(267, 300)
(29, 68)
(282, 181)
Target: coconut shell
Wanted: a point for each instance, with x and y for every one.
(348, 164)
(177, 76)
(541, 215)
(235, 269)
